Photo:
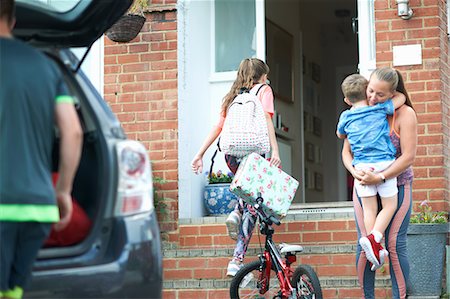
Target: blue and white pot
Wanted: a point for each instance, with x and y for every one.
(219, 199)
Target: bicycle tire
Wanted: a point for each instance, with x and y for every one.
(237, 291)
(310, 285)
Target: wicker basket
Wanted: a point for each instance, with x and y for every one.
(126, 28)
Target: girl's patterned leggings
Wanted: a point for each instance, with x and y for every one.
(248, 218)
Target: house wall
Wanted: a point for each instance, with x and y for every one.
(141, 88)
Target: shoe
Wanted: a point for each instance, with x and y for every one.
(383, 255)
(233, 268)
(372, 249)
(232, 223)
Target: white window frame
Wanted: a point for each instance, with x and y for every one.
(366, 37)
(260, 41)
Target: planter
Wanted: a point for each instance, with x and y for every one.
(219, 199)
(426, 251)
(126, 28)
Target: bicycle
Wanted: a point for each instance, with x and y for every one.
(254, 279)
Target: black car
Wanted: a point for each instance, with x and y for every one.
(121, 256)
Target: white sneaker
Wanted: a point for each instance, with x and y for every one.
(232, 223)
(233, 268)
(383, 254)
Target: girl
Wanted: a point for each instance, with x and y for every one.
(252, 71)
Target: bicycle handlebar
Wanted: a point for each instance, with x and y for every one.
(258, 208)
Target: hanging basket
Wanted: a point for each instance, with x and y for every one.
(126, 28)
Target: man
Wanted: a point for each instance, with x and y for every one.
(33, 99)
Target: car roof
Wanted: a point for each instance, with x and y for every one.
(68, 23)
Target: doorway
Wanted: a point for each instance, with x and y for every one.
(324, 51)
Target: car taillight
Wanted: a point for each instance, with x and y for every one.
(135, 186)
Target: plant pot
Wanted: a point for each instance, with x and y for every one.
(126, 28)
(219, 199)
(426, 252)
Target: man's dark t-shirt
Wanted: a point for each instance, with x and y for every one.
(30, 87)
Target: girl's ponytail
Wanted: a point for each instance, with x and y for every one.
(249, 72)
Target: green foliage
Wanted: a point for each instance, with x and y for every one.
(138, 7)
(219, 177)
(158, 200)
(426, 215)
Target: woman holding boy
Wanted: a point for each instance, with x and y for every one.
(384, 82)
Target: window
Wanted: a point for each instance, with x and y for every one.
(234, 33)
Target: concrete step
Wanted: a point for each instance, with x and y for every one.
(172, 251)
(325, 282)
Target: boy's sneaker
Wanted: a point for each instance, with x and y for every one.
(233, 268)
(372, 249)
(383, 255)
(232, 223)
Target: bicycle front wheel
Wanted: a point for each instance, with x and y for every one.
(247, 283)
(306, 282)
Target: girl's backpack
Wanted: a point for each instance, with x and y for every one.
(245, 128)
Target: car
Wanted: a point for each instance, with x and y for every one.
(121, 256)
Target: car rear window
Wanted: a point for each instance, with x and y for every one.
(53, 5)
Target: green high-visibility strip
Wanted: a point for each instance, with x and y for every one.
(15, 293)
(28, 212)
(64, 99)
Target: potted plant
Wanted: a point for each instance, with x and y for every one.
(217, 195)
(130, 24)
(427, 236)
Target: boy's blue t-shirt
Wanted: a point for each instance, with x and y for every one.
(367, 130)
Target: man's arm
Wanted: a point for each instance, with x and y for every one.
(69, 156)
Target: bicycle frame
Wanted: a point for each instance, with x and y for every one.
(271, 257)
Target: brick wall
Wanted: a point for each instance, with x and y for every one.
(141, 88)
(427, 85)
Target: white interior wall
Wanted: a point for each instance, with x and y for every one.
(284, 13)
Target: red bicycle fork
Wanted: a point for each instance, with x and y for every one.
(284, 274)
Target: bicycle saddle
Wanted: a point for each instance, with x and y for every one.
(284, 248)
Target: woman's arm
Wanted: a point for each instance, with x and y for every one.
(275, 157)
(407, 121)
(197, 163)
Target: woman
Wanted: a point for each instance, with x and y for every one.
(403, 133)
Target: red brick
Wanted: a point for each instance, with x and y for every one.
(316, 237)
(192, 263)
(429, 184)
(138, 48)
(164, 26)
(136, 67)
(169, 264)
(189, 230)
(208, 273)
(344, 236)
(332, 225)
(178, 274)
(122, 59)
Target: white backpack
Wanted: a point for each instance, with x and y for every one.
(245, 128)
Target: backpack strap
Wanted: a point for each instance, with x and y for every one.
(257, 87)
(214, 156)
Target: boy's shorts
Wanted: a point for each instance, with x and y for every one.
(387, 189)
(19, 245)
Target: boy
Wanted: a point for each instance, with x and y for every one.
(367, 130)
